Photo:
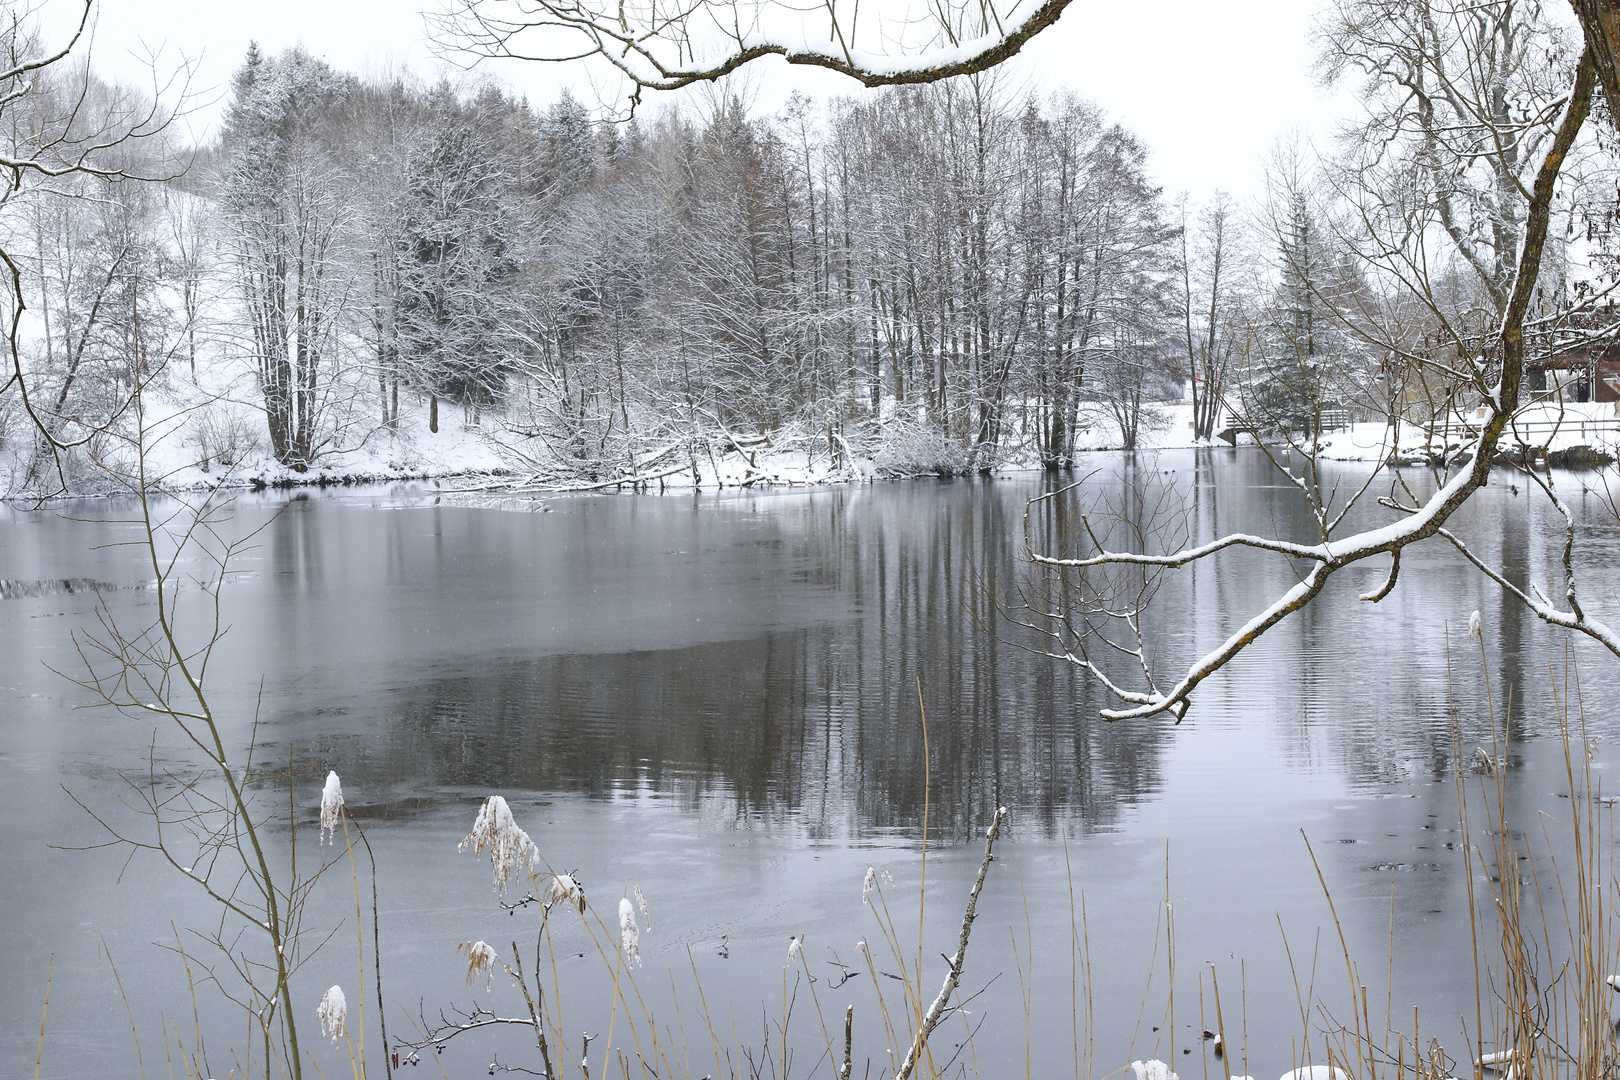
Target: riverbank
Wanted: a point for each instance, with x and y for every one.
(1575, 435)
(223, 445)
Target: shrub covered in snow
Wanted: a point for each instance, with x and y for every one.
(907, 448)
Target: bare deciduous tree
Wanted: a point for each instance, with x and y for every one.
(1502, 242)
(60, 126)
(1209, 292)
(286, 208)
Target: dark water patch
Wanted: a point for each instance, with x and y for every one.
(393, 809)
(13, 589)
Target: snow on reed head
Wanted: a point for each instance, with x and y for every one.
(794, 945)
(333, 1013)
(331, 803)
(481, 960)
(1475, 630)
(646, 915)
(564, 887)
(629, 935)
(876, 878)
(1152, 1070)
(509, 846)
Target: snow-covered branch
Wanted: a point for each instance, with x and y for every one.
(954, 962)
(659, 47)
(1333, 554)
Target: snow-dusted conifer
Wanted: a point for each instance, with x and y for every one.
(509, 846)
(331, 805)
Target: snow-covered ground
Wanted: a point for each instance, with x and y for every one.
(1553, 427)
(224, 442)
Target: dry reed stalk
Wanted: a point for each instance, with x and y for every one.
(1541, 990)
(45, 1011)
(128, 1010)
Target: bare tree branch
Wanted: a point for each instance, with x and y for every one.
(1502, 398)
(658, 47)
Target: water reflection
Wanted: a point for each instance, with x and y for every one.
(718, 697)
(768, 649)
(818, 724)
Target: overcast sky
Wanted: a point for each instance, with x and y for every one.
(1211, 87)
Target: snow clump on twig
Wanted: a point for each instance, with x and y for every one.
(333, 1013)
(629, 935)
(331, 804)
(509, 846)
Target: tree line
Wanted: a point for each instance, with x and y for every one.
(964, 267)
(953, 274)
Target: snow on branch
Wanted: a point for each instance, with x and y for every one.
(657, 46)
(1076, 613)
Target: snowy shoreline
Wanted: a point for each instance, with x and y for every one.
(474, 461)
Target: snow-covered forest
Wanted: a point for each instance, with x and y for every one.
(953, 274)
(425, 278)
(397, 277)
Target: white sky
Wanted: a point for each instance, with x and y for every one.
(1210, 86)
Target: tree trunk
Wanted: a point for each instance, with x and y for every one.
(1600, 22)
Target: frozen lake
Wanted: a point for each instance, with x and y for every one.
(715, 697)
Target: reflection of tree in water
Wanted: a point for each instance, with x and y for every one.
(810, 722)
(1368, 687)
(817, 725)
(1400, 670)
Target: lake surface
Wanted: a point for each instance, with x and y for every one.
(716, 697)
